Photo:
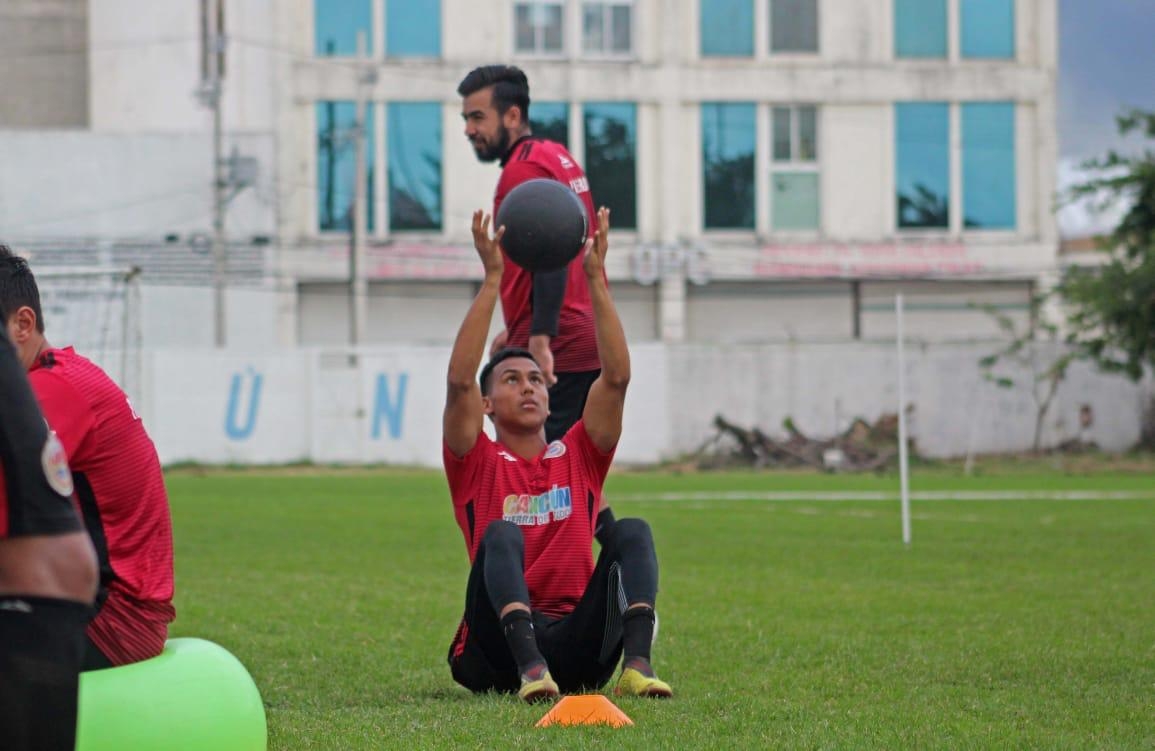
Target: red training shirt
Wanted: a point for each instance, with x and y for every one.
(554, 499)
(575, 348)
(121, 494)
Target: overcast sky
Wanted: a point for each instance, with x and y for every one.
(1106, 62)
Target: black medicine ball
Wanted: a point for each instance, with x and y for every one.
(545, 224)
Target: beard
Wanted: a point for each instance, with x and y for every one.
(491, 151)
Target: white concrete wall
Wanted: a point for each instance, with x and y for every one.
(384, 404)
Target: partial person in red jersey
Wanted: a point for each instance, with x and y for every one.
(541, 617)
(119, 485)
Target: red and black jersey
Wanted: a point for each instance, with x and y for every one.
(554, 499)
(575, 346)
(121, 494)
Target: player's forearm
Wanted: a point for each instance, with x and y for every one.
(612, 348)
(469, 346)
(548, 294)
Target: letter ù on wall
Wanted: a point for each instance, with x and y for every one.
(233, 430)
(389, 407)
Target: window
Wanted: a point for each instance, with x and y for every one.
(922, 165)
(726, 28)
(728, 135)
(550, 120)
(988, 165)
(793, 26)
(920, 28)
(607, 28)
(794, 198)
(987, 28)
(414, 151)
(611, 159)
(337, 166)
(413, 28)
(538, 27)
(336, 23)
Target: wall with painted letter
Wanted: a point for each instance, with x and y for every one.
(383, 405)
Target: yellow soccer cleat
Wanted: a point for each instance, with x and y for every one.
(635, 683)
(542, 688)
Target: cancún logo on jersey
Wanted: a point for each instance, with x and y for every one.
(54, 462)
(531, 510)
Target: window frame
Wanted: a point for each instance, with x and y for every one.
(954, 39)
(794, 164)
(607, 7)
(769, 27)
(537, 51)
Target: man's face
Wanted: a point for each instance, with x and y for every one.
(484, 127)
(518, 395)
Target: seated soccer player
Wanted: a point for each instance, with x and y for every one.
(540, 617)
(47, 575)
(117, 475)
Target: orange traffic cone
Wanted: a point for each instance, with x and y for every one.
(585, 709)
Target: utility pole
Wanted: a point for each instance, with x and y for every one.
(358, 285)
(215, 50)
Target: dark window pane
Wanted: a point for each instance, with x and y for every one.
(593, 35)
(920, 28)
(550, 120)
(988, 165)
(922, 164)
(807, 134)
(524, 39)
(728, 135)
(336, 23)
(781, 125)
(621, 40)
(611, 159)
(987, 28)
(726, 27)
(414, 136)
(793, 25)
(337, 166)
(552, 29)
(413, 28)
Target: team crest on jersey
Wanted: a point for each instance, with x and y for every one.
(54, 462)
(556, 449)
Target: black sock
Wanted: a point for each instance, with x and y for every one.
(637, 634)
(41, 646)
(517, 625)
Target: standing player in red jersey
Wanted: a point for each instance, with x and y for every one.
(119, 486)
(540, 616)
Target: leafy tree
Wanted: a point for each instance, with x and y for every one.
(1111, 307)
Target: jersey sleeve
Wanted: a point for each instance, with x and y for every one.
(463, 472)
(596, 462)
(65, 409)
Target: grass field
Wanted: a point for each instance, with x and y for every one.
(785, 622)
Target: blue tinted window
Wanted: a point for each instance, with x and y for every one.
(414, 150)
(611, 159)
(922, 164)
(987, 28)
(988, 165)
(728, 135)
(550, 120)
(336, 23)
(920, 28)
(337, 165)
(726, 27)
(413, 28)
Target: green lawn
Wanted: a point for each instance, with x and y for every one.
(784, 623)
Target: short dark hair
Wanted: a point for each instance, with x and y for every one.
(510, 87)
(504, 353)
(17, 287)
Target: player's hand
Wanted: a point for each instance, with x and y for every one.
(594, 261)
(539, 348)
(488, 248)
(499, 342)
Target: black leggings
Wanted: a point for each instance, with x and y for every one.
(581, 648)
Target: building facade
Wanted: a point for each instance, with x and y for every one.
(777, 169)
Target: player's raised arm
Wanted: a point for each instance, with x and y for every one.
(464, 412)
(607, 397)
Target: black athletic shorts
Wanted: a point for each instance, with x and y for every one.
(582, 648)
(567, 399)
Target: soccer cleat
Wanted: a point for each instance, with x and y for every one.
(635, 683)
(541, 688)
